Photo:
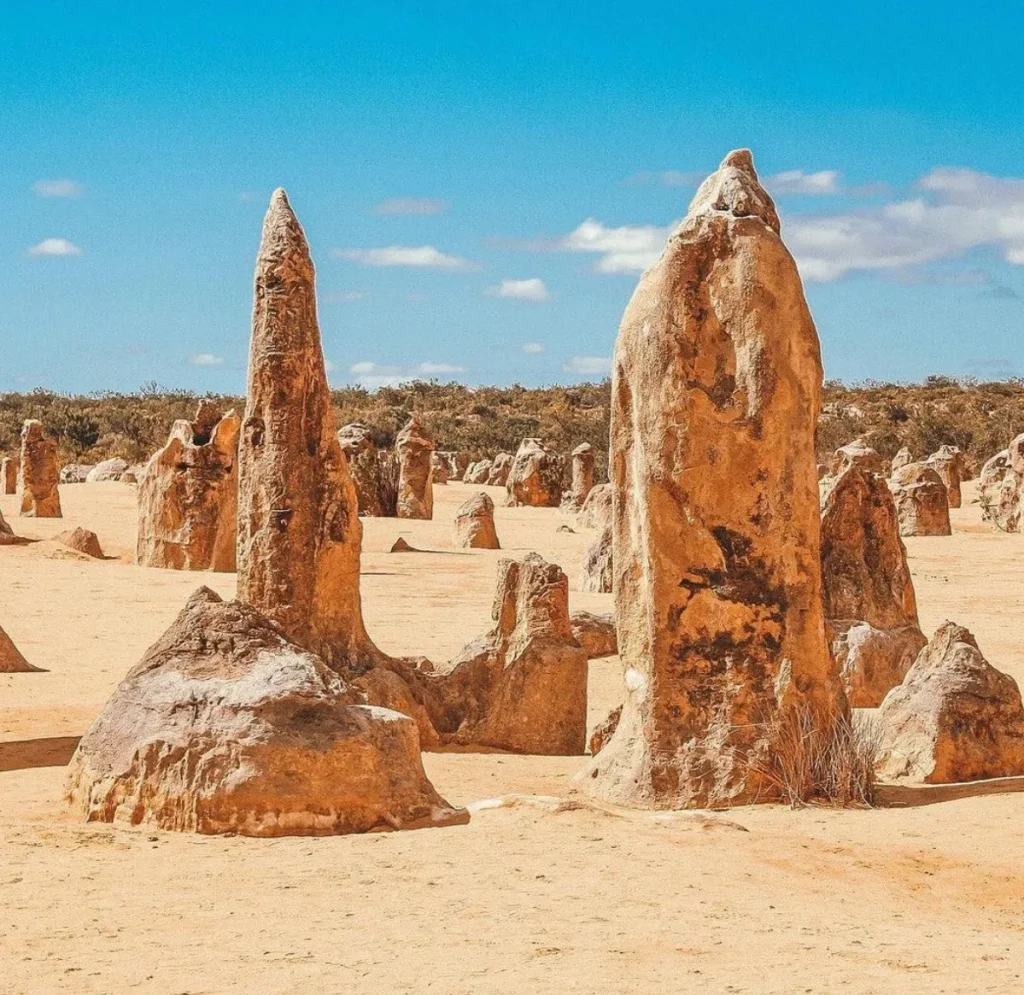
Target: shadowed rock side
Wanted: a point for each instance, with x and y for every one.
(954, 717)
(11, 660)
(535, 478)
(364, 467)
(188, 496)
(299, 534)
(227, 726)
(950, 465)
(596, 512)
(415, 448)
(38, 473)
(9, 475)
(921, 501)
(870, 608)
(596, 569)
(1001, 487)
(715, 397)
(474, 524)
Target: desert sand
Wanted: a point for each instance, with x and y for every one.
(541, 894)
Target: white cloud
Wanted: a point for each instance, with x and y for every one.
(533, 348)
(206, 359)
(628, 249)
(826, 181)
(329, 367)
(342, 296)
(410, 205)
(959, 210)
(523, 290)
(417, 257)
(588, 365)
(248, 196)
(374, 375)
(55, 247)
(57, 188)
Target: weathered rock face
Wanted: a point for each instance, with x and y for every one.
(954, 717)
(225, 726)
(81, 540)
(858, 455)
(188, 498)
(106, 471)
(373, 472)
(595, 633)
(9, 475)
(5, 530)
(11, 660)
(921, 501)
(535, 479)
(474, 524)
(604, 731)
(950, 465)
(1001, 487)
(439, 472)
(868, 595)
(583, 458)
(903, 458)
(299, 534)
(596, 568)
(38, 473)
(500, 468)
(415, 481)
(477, 473)
(355, 438)
(75, 473)
(716, 531)
(596, 512)
(522, 687)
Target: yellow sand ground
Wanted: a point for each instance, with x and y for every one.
(524, 899)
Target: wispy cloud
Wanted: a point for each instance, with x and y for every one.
(627, 249)
(421, 206)
(825, 181)
(373, 375)
(342, 296)
(206, 359)
(415, 257)
(57, 188)
(55, 247)
(533, 348)
(248, 196)
(665, 178)
(588, 365)
(523, 290)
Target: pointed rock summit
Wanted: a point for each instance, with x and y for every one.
(299, 534)
(715, 532)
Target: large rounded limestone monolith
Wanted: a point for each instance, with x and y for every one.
(299, 534)
(38, 473)
(715, 396)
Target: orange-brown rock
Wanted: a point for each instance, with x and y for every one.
(439, 470)
(478, 473)
(921, 501)
(900, 460)
(522, 687)
(415, 476)
(355, 438)
(535, 479)
(474, 524)
(11, 660)
(1001, 487)
(954, 717)
(604, 731)
(596, 512)
(81, 540)
(401, 546)
(596, 568)
(716, 393)
(500, 468)
(857, 454)
(225, 725)
(364, 466)
(299, 534)
(870, 608)
(950, 465)
(595, 633)
(9, 475)
(188, 497)
(583, 459)
(38, 473)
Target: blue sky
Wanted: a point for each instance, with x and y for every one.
(481, 183)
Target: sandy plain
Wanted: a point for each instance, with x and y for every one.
(539, 897)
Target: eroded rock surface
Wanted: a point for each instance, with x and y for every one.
(535, 479)
(596, 568)
(75, 473)
(595, 633)
(38, 473)
(474, 524)
(107, 471)
(9, 475)
(596, 512)
(903, 458)
(82, 541)
(921, 501)
(583, 460)
(478, 472)
(500, 468)
(950, 465)
(415, 480)
(1001, 487)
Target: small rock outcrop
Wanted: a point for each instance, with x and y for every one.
(415, 476)
(474, 524)
(500, 468)
(11, 660)
(107, 471)
(439, 468)
(921, 501)
(75, 473)
(596, 568)
(870, 607)
(9, 475)
(716, 391)
(188, 499)
(903, 458)
(1001, 487)
(535, 479)
(950, 465)
(583, 459)
(595, 633)
(596, 512)
(227, 726)
(859, 455)
(954, 717)
(82, 541)
(478, 473)
(38, 473)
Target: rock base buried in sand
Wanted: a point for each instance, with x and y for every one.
(82, 541)
(474, 524)
(227, 726)
(11, 660)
